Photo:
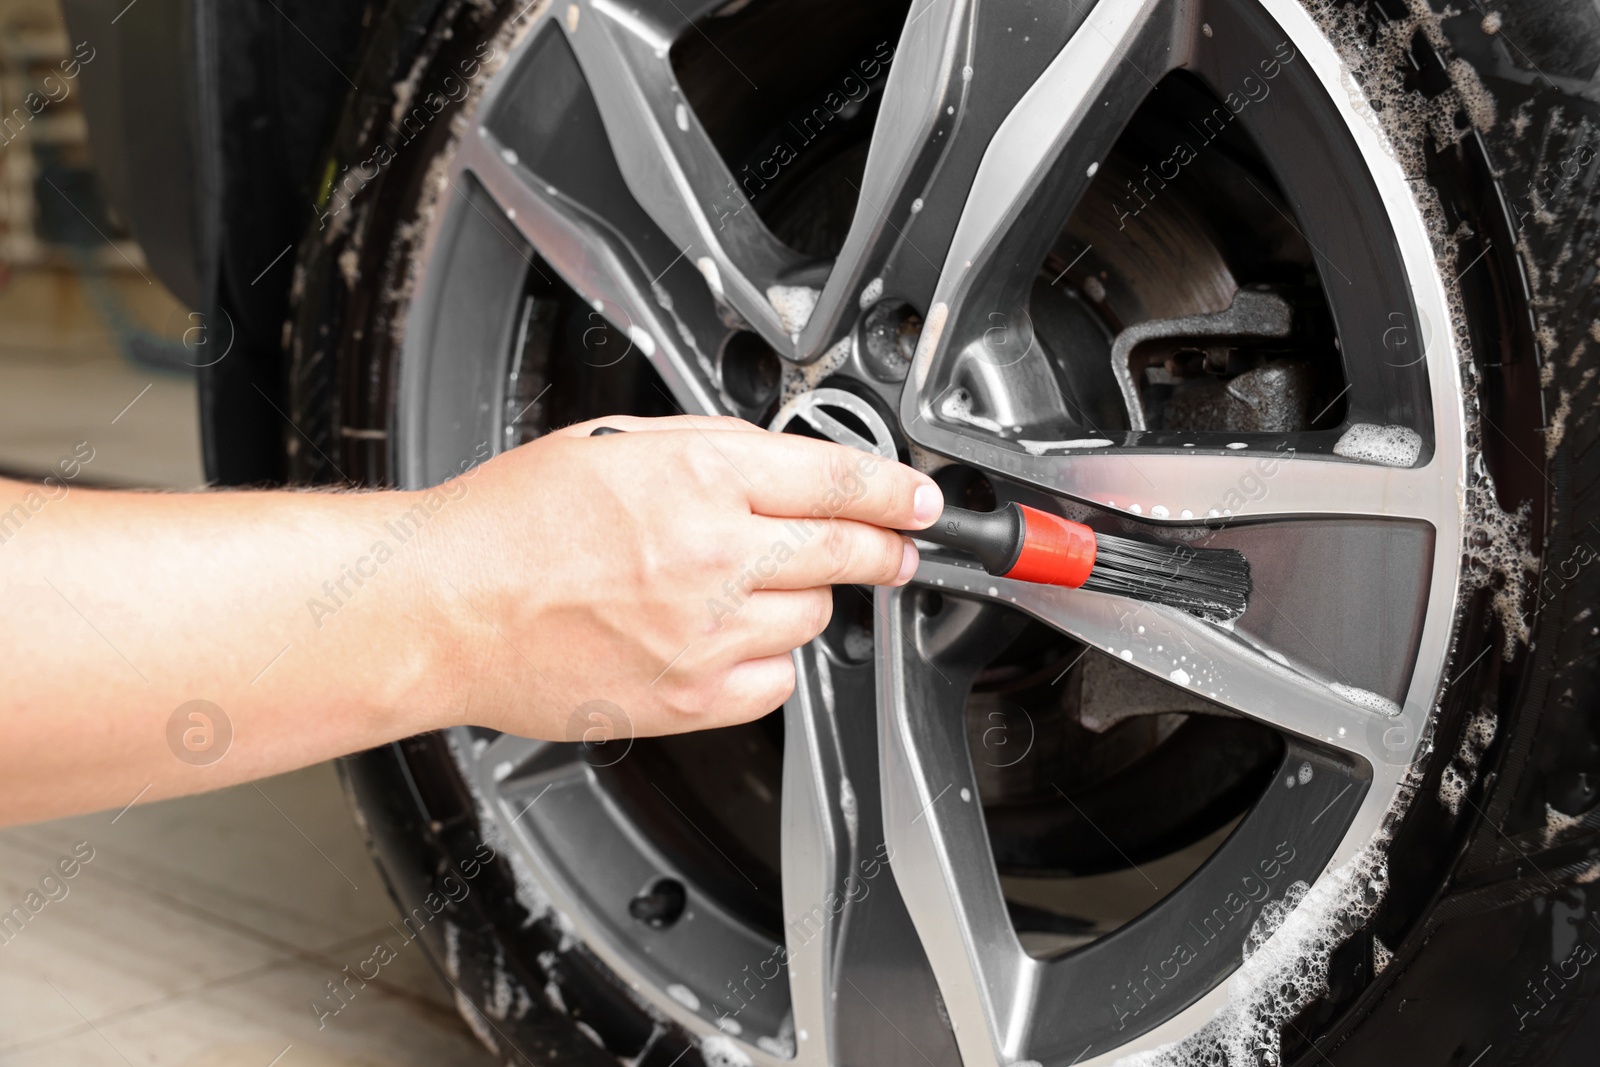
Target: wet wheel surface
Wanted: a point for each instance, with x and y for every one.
(1239, 274)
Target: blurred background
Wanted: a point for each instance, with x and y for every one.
(203, 932)
(84, 326)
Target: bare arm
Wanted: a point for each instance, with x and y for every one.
(667, 571)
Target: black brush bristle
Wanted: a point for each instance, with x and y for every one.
(1213, 583)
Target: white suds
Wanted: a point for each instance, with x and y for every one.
(1039, 448)
(1179, 676)
(350, 266)
(794, 305)
(452, 950)
(1476, 100)
(1381, 956)
(802, 378)
(1497, 557)
(1453, 786)
(1366, 698)
(1558, 424)
(1285, 967)
(1393, 446)
(957, 405)
(682, 115)
(849, 809)
(684, 995)
(476, 1022)
(1459, 775)
(781, 1046)
(721, 1051)
(1556, 823)
(713, 277)
(872, 293)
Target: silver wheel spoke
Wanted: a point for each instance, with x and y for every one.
(1214, 662)
(1007, 1006)
(819, 846)
(1264, 483)
(508, 753)
(916, 124)
(678, 335)
(934, 827)
(1075, 110)
(669, 163)
(845, 924)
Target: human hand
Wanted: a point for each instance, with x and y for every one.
(669, 570)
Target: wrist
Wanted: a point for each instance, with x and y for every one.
(411, 640)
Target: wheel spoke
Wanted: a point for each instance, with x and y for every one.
(819, 844)
(1007, 1006)
(934, 826)
(1255, 484)
(507, 754)
(1221, 664)
(677, 334)
(962, 72)
(916, 127)
(847, 929)
(670, 165)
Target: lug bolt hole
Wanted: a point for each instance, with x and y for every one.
(661, 904)
(751, 371)
(889, 334)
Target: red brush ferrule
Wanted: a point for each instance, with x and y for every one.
(1055, 551)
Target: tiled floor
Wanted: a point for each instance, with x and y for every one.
(202, 929)
(200, 934)
(64, 378)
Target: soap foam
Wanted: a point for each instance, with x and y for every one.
(1039, 448)
(872, 293)
(1366, 698)
(794, 305)
(720, 1051)
(1393, 446)
(1285, 967)
(957, 406)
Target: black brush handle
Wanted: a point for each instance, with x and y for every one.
(995, 537)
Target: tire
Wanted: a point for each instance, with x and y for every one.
(1443, 914)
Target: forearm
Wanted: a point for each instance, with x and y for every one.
(302, 616)
(650, 574)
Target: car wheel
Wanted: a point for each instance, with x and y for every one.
(1241, 273)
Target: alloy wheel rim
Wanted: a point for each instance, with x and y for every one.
(667, 262)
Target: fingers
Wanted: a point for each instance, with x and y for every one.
(743, 669)
(805, 553)
(788, 476)
(756, 687)
(771, 622)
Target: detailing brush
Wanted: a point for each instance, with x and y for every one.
(1034, 546)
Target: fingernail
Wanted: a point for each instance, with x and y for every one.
(927, 503)
(908, 564)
